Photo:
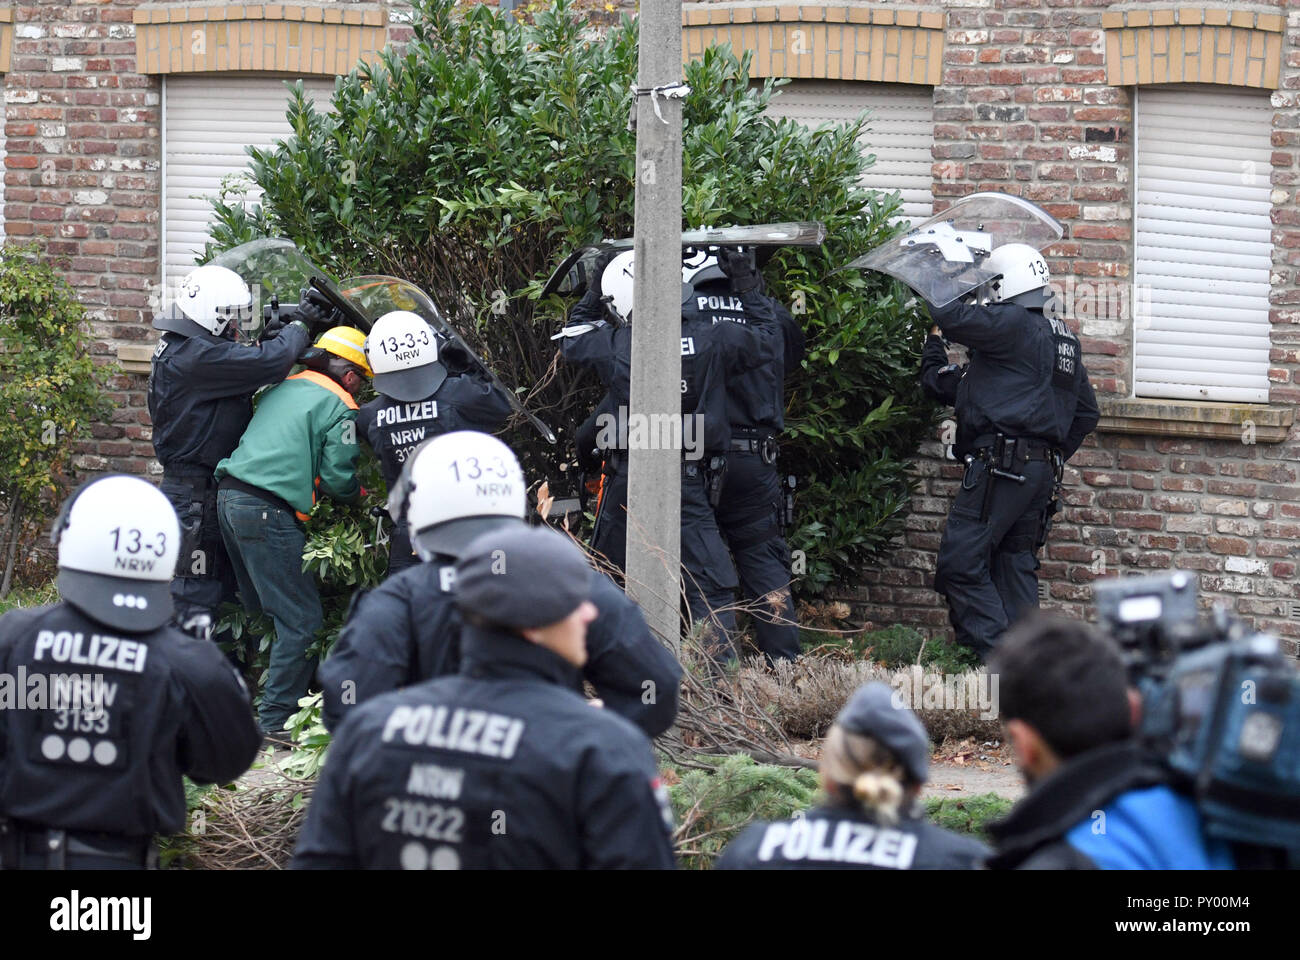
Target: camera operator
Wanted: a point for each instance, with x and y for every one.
(1097, 799)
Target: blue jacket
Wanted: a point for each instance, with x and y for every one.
(1151, 828)
(1110, 808)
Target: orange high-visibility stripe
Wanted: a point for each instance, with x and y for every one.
(323, 381)
(600, 491)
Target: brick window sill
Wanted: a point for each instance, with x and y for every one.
(135, 357)
(1188, 418)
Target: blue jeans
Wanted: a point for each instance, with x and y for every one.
(265, 545)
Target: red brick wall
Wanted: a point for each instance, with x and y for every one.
(1024, 108)
(82, 177)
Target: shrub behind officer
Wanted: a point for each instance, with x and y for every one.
(200, 400)
(425, 388)
(874, 763)
(456, 487)
(1023, 408)
(1096, 800)
(503, 765)
(117, 703)
(301, 441)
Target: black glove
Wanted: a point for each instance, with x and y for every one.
(272, 329)
(738, 267)
(317, 313)
(598, 270)
(455, 358)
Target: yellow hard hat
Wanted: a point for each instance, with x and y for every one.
(348, 343)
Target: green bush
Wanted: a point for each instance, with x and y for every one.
(969, 815)
(51, 392)
(711, 806)
(471, 161)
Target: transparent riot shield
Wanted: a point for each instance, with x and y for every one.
(275, 270)
(374, 296)
(571, 277)
(943, 258)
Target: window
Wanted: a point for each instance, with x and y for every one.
(1203, 246)
(900, 130)
(208, 121)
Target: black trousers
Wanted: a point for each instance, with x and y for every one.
(749, 517)
(204, 578)
(400, 552)
(987, 570)
(708, 575)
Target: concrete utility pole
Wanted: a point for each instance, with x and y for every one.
(654, 475)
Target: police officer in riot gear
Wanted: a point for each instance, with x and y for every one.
(502, 765)
(425, 388)
(752, 506)
(117, 704)
(1023, 407)
(407, 630)
(200, 400)
(711, 353)
(874, 763)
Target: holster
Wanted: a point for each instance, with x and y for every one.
(715, 478)
(1054, 505)
(787, 502)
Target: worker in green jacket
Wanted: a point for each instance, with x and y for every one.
(302, 441)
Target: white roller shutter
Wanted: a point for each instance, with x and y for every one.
(1203, 249)
(208, 121)
(900, 130)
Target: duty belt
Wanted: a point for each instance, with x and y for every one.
(195, 478)
(1014, 449)
(763, 444)
(58, 845)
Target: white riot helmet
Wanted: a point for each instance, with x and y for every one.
(457, 486)
(1024, 276)
(616, 285)
(210, 298)
(118, 540)
(700, 267)
(403, 353)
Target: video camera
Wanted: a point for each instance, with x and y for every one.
(1220, 706)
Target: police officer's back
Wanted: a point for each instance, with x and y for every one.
(873, 765)
(1023, 406)
(118, 704)
(711, 353)
(751, 506)
(408, 629)
(502, 765)
(424, 388)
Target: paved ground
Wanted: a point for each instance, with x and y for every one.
(957, 780)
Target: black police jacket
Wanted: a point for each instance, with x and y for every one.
(102, 723)
(201, 389)
(711, 354)
(755, 398)
(841, 837)
(1032, 836)
(408, 629)
(394, 428)
(939, 377)
(501, 766)
(1026, 377)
